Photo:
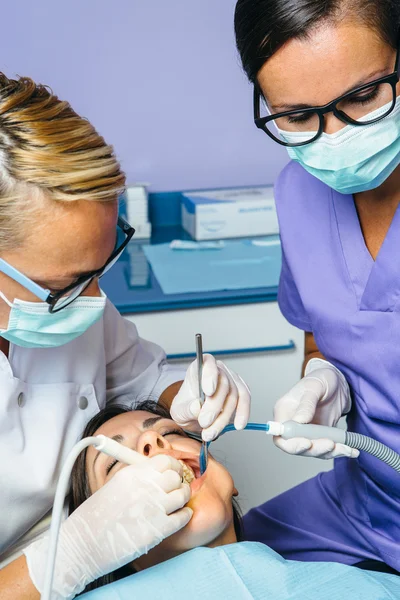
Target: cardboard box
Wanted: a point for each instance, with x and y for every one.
(232, 213)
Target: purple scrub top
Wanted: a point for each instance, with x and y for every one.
(331, 286)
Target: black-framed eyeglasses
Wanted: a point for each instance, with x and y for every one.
(59, 300)
(305, 125)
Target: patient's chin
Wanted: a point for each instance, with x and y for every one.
(211, 523)
(208, 523)
(212, 510)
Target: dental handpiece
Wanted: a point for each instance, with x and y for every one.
(116, 450)
(103, 444)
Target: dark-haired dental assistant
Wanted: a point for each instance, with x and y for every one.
(326, 86)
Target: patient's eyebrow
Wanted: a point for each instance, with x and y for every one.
(117, 438)
(147, 423)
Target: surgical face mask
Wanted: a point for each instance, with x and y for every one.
(355, 158)
(31, 325)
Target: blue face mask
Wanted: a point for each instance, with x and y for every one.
(31, 325)
(354, 159)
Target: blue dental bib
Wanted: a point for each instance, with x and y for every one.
(248, 571)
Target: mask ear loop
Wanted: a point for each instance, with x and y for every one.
(2, 296)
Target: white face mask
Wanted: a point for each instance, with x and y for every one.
(355, 158)
(31, 325)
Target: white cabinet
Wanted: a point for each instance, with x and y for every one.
(258, 343)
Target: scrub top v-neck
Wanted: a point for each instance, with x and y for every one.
(331, 286)
(376, 282)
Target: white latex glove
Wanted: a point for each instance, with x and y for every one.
(322, 397)
(132, 513)
(227, 399)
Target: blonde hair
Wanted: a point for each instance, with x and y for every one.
(46, 149)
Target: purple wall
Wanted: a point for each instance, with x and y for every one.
(160, 79)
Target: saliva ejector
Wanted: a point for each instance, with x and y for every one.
(292, 429)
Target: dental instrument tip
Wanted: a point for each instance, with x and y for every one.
(203, 458)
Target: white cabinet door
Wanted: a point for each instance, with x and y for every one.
(260, 470)
(245, 326)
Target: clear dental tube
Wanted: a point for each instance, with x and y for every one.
(291, 429)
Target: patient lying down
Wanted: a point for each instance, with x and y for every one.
(215, 524)
(149, 430)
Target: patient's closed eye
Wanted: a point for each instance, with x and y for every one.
(110, 466)
(147, 448)
(175, 432)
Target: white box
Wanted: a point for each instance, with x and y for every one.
(231, 213)
(136, 201)
(142, 230)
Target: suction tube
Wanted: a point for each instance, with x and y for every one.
(291, 429)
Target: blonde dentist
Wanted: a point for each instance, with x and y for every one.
(65, 351)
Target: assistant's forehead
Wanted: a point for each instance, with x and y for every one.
(317, 68)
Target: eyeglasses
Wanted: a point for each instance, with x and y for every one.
(59, 300)
(303, 126)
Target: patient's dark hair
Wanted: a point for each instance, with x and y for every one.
(80, 490)
(264, 26)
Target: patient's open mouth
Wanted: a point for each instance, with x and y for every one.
(191, 473)
(191, 470)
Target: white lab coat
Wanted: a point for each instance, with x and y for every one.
(48, 396)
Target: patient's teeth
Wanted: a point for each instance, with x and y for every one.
(188, 474)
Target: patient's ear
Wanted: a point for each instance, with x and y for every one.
(235, 492)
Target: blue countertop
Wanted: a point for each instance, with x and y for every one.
(133, 288)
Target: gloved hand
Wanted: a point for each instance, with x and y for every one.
(227, 398)
(321, 397)
(132, 513)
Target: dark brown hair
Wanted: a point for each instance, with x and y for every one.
(264, 26)
(80, 490)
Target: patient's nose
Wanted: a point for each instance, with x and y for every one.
(152, 443)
